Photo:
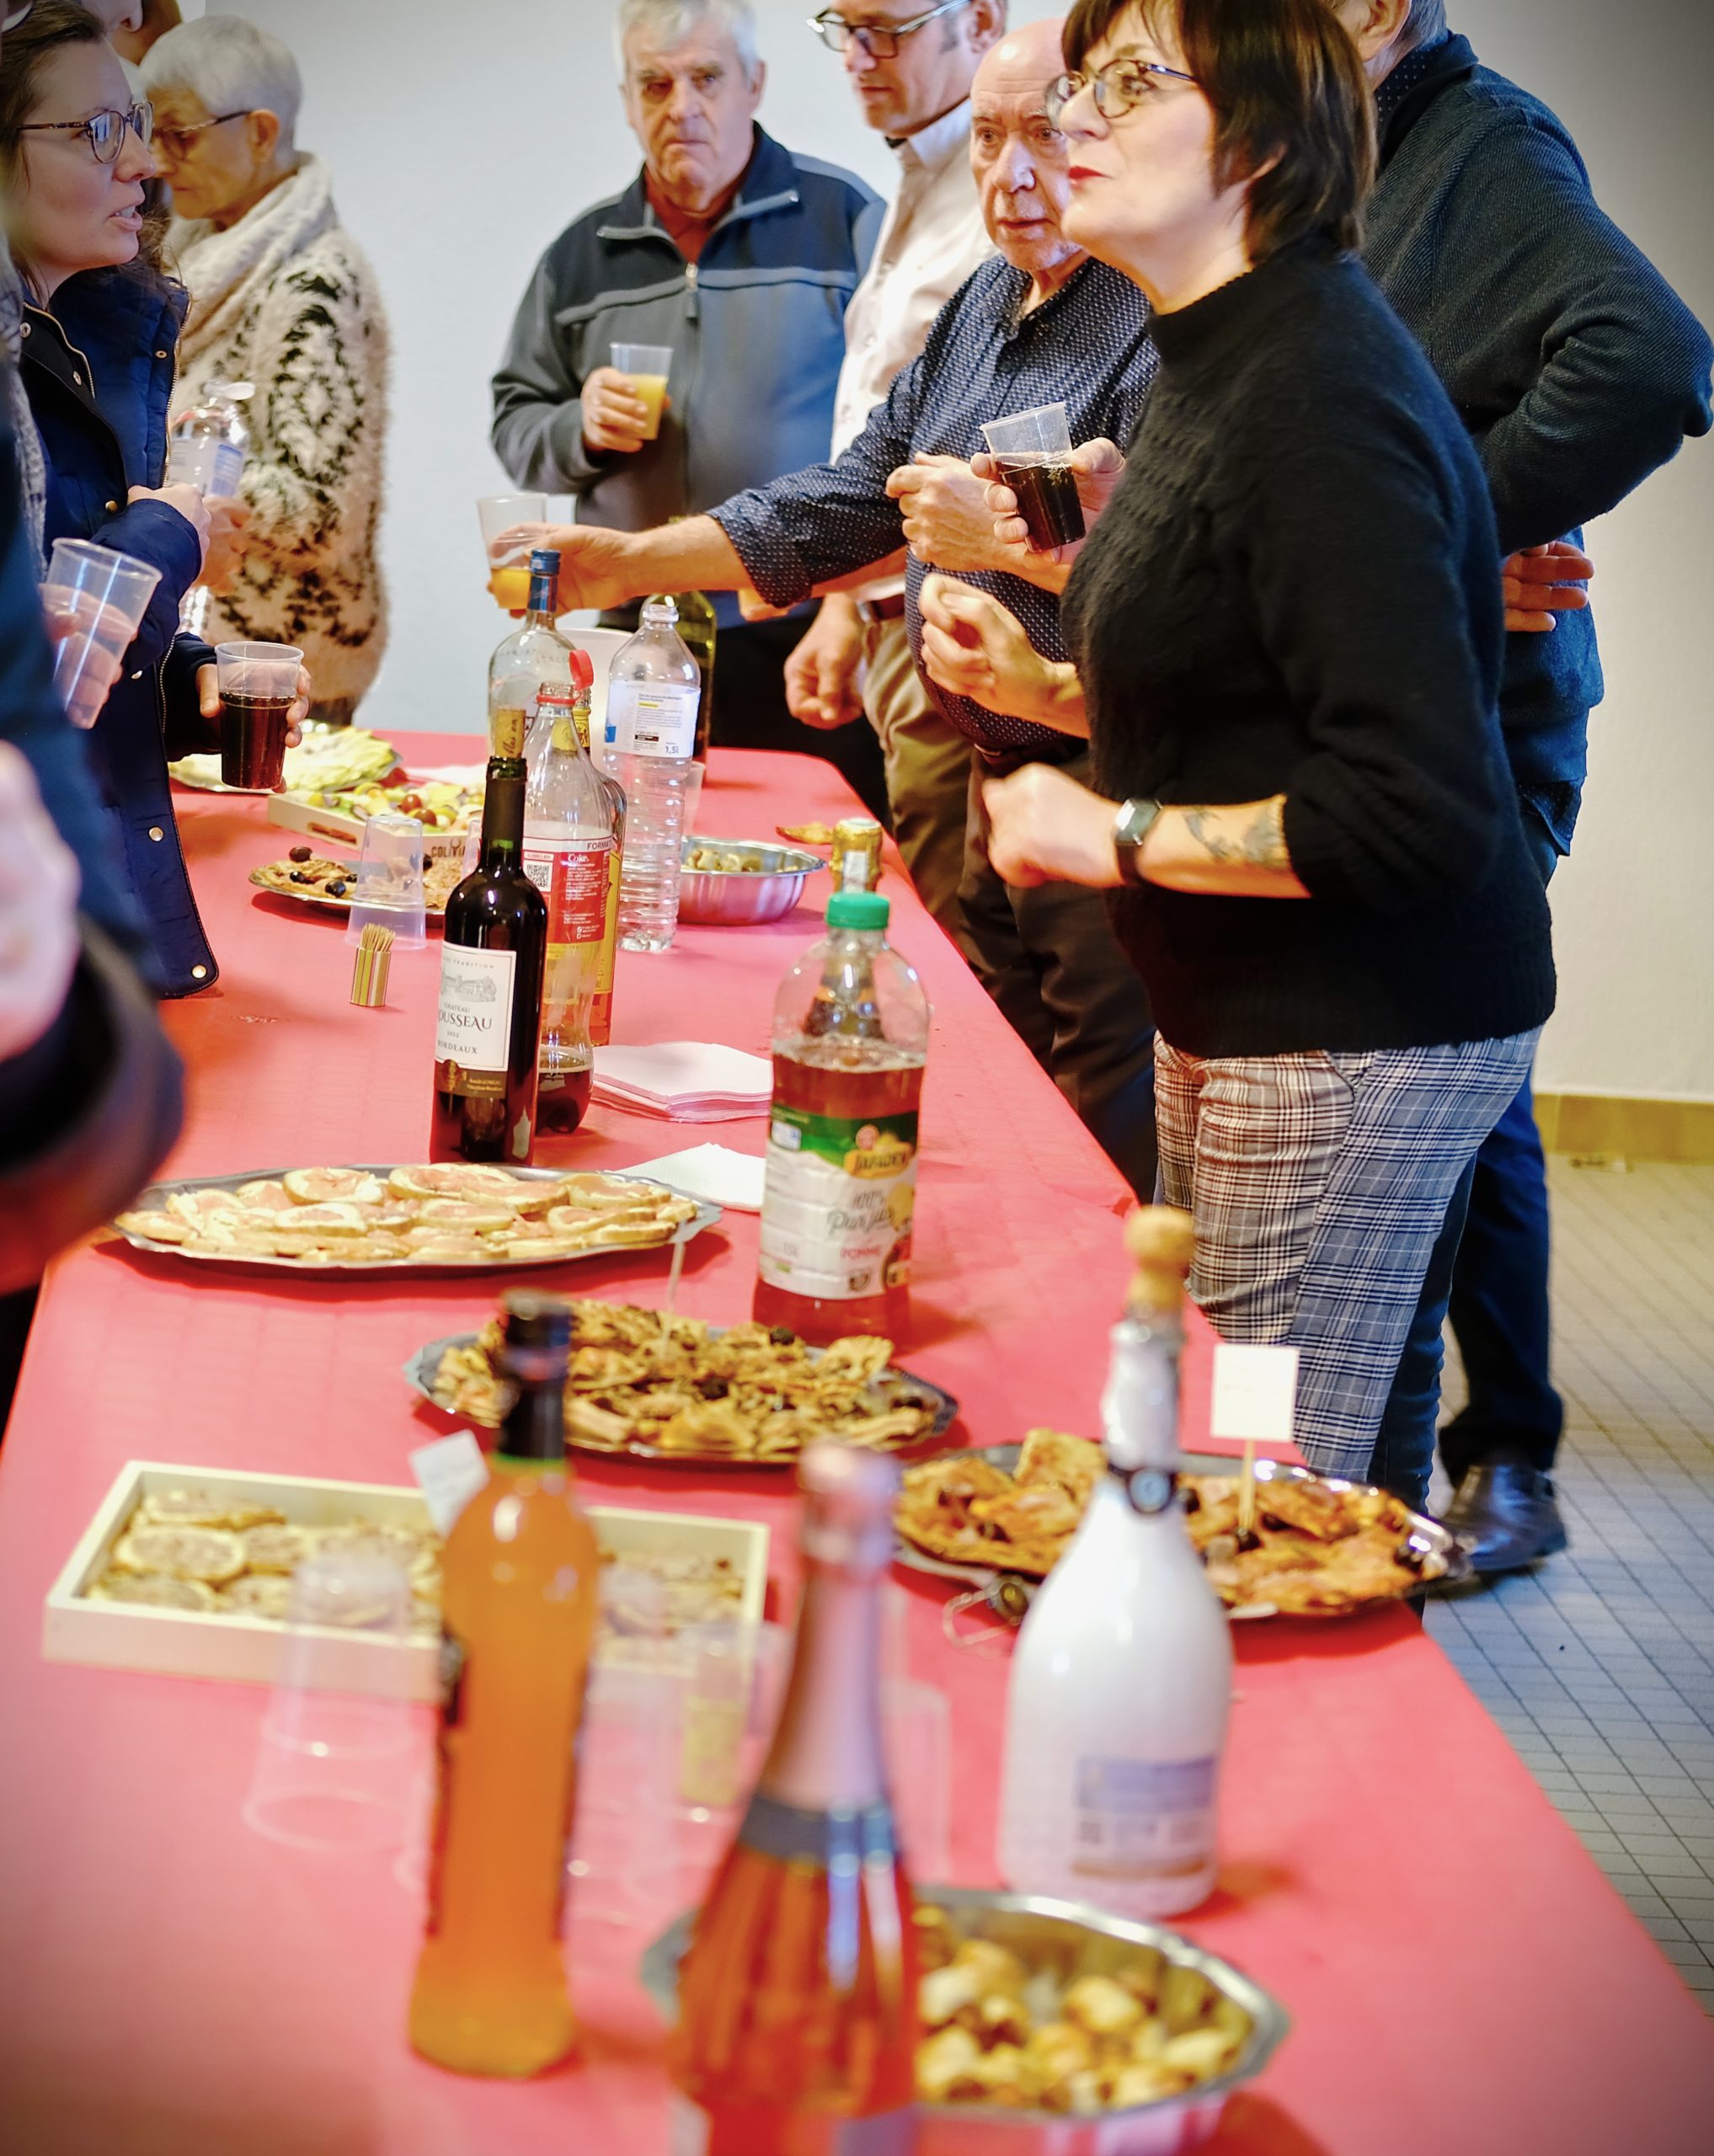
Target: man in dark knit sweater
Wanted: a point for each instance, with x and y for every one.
(1579, 371)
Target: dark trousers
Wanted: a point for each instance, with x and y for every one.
(749, 710)
(1489, 1272)
(1049, 959)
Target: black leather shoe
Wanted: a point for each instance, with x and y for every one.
(1505, 1514)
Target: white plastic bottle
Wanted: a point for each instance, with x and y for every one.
(650, 735)
(1121, 1678)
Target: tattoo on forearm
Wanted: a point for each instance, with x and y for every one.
(1260, 844)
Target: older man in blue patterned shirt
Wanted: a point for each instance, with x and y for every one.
(1041, 324)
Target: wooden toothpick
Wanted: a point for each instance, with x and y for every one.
(672, 1278)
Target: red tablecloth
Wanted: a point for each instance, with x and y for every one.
(1458, 1972)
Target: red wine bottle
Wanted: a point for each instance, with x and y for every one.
(489, 1020)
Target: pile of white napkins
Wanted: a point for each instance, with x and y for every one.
(688, 1081)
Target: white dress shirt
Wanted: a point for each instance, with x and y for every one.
(932, 239)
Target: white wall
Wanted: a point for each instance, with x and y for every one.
(464, 136)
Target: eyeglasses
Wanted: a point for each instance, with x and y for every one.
(176, 140)
(1119, 86)
(880, 41)
(103, 131)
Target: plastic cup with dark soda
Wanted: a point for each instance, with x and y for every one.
(257, 685)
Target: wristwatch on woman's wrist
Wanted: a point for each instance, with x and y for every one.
(1134, 821)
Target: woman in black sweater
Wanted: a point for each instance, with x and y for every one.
(1288, 627)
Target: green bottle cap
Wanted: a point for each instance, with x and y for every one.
(859, 909)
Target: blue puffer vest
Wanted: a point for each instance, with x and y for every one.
(98, 369)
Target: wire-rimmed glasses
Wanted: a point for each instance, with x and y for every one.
(176, 142)
(880, 41)
(1115, 88)
(103, 131)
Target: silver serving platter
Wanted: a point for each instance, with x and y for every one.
(154, 1198)
(884, 1390)
(1071, 1940)
(1445, 1561)
(769, 883)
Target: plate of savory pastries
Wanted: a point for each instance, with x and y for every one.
(452, 1216)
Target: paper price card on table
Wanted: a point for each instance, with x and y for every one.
(1255, 1392)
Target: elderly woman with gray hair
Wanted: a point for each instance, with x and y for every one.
(279, 298)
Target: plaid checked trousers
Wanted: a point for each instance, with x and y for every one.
(1318, 1182)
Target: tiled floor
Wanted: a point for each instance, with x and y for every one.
(1599, 1666)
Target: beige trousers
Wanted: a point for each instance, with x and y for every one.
(928, 771)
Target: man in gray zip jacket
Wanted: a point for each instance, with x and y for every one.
(740, 254)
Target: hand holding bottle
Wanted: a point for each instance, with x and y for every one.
(187, 500)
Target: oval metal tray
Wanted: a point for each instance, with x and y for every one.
(419, 1372)
(1073, 1940)
(154, 1198)
(1444, 1560)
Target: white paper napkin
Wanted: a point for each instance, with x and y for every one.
(715, 1172)
(692, 1072)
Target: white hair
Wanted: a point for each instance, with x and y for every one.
(231, 66)
(672, 21)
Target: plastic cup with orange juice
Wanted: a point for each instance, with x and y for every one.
(508, 565)
(647, 367)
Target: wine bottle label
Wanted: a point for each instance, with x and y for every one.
(1142, 1819)
(769, 2129)
(572, 877)
(473, 1025)
(652, 718)
(839, 1199)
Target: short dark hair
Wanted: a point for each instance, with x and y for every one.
(1293, 113)
(50, 25)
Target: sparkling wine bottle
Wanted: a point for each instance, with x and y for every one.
(519, 1606)
(489, 1019)
(798, 2015)
(1123, 1673)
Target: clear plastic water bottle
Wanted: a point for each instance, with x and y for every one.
(208, 449)
(211, 440)
(649, 741)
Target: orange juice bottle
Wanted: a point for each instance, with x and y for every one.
(518, 1623)
(797, 2014)
(850, 1037)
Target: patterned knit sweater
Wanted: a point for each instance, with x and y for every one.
(284, 300)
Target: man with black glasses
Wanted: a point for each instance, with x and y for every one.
(911, 69)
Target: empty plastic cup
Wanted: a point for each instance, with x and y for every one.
(649, 366)
(342, 1744)
(1034, 451)
(509, 563)
(389, 893)
(94, 600)
(258, 687)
